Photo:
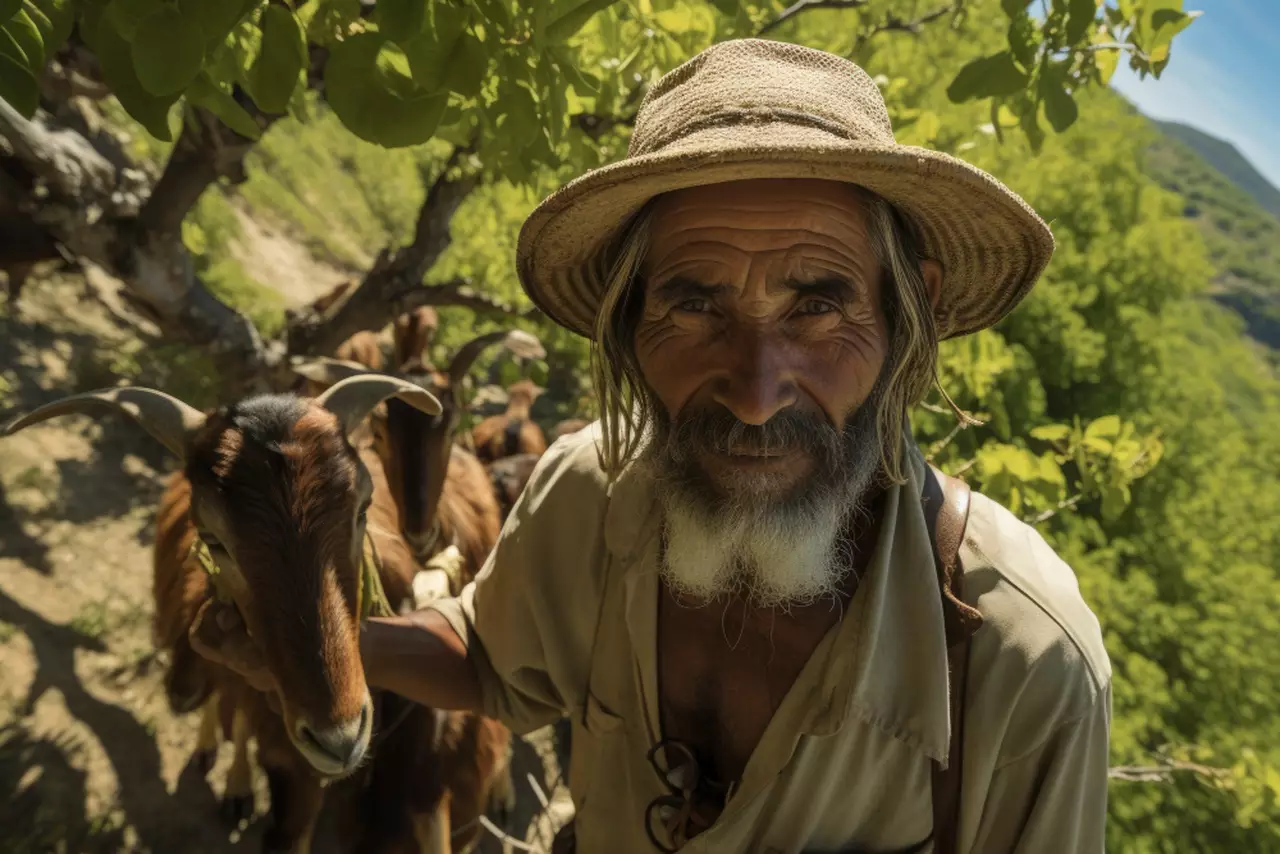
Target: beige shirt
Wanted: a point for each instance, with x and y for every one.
(562, 620)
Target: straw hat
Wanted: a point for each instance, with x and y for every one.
(753, 108)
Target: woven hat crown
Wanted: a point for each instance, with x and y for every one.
(734, 84)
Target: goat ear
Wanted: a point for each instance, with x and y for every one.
(330, 371)
(166, 418)
(519, 342)
(354, 398)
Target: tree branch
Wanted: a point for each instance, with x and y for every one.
(1046, 515)
(806, 5)
(1163, 773)
(893, 23)
(394, 283)
(459, 292)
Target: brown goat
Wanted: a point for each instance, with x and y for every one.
(512, 432)
(283, 503)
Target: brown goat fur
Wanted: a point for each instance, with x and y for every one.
(412, 334)
(512, 432)
(294, 488)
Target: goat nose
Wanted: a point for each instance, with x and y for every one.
(343, 743)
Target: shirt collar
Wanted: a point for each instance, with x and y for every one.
(890, 668)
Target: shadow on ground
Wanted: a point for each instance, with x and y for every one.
(185, 820)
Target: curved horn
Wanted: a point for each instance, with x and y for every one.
(166, 418)
(330, 371)
(355, 397)
(519, 342)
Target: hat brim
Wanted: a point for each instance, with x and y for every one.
(991, 245)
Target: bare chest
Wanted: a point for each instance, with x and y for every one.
(723, 672)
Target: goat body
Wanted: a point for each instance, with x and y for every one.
(435, 771)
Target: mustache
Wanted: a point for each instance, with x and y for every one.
(719, 431)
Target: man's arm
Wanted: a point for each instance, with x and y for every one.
(418, 656)
(1053, 798)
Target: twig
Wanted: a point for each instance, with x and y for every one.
(1164, 773)
(537, 790)
(502, 835)
(892, 23)
(1064, 504)
(805, 5)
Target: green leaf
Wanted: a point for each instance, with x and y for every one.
(26, 35)
(8, 8)
(360, 94)
(168, 50)
(18, 86)
(496, 11)
(216, 18)
(1051, 432)
(276, 70)
(1030, 122)
(1080, 15)
(1166, 24)
(447, 22)
(126, 15)
(987, 77)
(1106, 427)
(583, 83)
(331, 21)
(205, 93)
(400, 20)
(1013, 8)
(1105, 60)
(468, 67)
(116, 58)
(432, 54)
(56, 19)
(1024, 39)
(1059, 107)
(568, 16)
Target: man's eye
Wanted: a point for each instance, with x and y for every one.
(815, 306)
(696, 304)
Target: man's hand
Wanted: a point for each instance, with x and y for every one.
(220, 635)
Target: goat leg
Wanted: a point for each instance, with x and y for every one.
(434, 829)
(206, 752)
(237, 799)
(296, 798)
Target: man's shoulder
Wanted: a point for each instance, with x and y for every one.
(570, 469)
(1048, 641)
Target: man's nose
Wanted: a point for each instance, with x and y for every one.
(758, 381)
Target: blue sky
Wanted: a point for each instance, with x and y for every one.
(1223, 78)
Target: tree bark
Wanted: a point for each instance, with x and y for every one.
(394, 283)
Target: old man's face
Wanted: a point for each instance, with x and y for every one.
(763, 337)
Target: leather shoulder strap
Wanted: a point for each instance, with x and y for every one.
(946, 502)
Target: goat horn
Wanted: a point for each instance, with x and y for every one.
(519, 342)
(330, 371)
(355, 397)
(166, 418)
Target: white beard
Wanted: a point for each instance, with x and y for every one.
(770, 557)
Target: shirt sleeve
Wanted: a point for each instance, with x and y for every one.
(1053, 798)
(528, 617)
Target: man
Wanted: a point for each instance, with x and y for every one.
(735, 585)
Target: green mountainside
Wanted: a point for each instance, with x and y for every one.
(1238, 212)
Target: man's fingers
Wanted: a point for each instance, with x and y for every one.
(219, 634)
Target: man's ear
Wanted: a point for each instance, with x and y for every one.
(932, 272)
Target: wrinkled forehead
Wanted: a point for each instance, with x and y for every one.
(786, 222)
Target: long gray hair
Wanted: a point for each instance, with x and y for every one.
(628, 406)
